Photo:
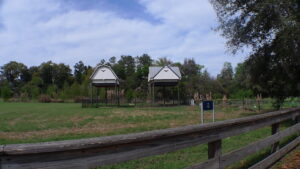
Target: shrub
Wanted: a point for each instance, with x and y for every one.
(6, 93)
(14, 99)
(78, 99)
(129, 95)
(44, 98)
(24, 97)
(57, 101)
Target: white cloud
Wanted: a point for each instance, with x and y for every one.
(37, 31)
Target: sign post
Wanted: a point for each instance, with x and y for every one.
(207, 105)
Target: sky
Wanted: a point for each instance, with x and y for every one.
(67, 31)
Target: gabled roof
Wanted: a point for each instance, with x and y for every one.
(155, 70)
(101, 66)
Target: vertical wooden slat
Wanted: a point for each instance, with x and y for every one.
(297, 119)
(214, 149)
(178, 97)
(215, 152)
(275, 129)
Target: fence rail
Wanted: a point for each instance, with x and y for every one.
(88, 153)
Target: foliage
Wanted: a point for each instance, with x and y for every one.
(44, 98)
(79, 72)
(225, 78)
(58, 82)
(6, 92)
(271, 28)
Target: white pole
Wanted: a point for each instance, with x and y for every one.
(202, 120)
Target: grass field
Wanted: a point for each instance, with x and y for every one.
(37, 122)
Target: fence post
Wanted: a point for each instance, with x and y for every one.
(275, 129)
(297, 120)
(215, 151)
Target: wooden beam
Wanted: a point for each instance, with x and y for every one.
(178, 96)
(93, 152)
(267, 162)
(252, 148)
(209, 164)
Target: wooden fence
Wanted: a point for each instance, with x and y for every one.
(88, 153)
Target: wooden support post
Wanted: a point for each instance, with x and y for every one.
(118, 91)
(215, 152)
(106, 96)
(150, 86)
(92, 96)
(275, 129)
(243, 103)
(97, 97)
(178, 95)
(164, 95)
(259, 108)
(153, 93)
(115, 95)
(297, 120)
(173, 94)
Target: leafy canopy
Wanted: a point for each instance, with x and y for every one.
(271, 29)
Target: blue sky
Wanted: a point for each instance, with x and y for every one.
(66, 31)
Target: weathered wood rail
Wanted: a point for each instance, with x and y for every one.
(88, 153)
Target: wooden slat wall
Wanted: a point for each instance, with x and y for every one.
(87, 153)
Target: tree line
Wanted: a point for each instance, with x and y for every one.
(60, 82)
(271, 29)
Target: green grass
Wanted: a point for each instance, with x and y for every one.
(27, 122)
(39, 122)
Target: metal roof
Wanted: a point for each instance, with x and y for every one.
(154, 70)
(105, 80)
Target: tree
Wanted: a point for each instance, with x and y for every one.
(32, 88)
(6, 92)
(112, 60)
(79, 70)
(47, 71)
(271, 29)
(143, 64)
(63, 75)
(125, 67)
(225, 77)
(191, 76)
(163, 62)
(191, 68)
(16, 74)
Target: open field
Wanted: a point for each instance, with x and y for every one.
(36, 122)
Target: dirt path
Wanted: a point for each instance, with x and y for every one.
(290, 161)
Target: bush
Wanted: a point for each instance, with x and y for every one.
(14, 99)
(24, 97)
(129, 95)
(78, 99)
(57, 101)
(6, 93)
(44, 98)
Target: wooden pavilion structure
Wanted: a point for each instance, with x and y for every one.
(164, 76)
(104, 77)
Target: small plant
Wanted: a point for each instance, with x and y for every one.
(78, 99)
(24, 97)
(44, 98)
(6, 93)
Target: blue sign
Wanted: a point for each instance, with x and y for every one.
(208, 105)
